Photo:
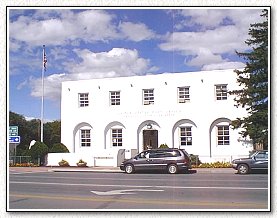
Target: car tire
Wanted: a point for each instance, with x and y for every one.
(243, 169)
(172, 169)
(129, 168)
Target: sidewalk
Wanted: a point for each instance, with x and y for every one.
(106, 169)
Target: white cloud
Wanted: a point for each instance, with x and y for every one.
(136, 31)
(216, 33)
(205, 56)
(114, 63)
(212, 18)
(221, 40)
(224, 65)
(52, 86)
(64, 29)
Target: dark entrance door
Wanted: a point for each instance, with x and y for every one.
(150, 139)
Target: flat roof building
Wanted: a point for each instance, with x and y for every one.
(190, 110)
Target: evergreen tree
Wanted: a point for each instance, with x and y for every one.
(254, 80)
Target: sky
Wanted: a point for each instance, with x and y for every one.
(88, 43)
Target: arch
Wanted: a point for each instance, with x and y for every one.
(142, 125)
(108, 127)
(75, 130)
(213, 124)
(177, 124)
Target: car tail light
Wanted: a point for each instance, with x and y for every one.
(186, 160)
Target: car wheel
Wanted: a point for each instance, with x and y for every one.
(243, 169)
(129, 168)
(172, 169)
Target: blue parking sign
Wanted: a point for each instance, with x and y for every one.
(14, 139)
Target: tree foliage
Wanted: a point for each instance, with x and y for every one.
(30, 130)
(254, 82)
(38, 151)
(58, 148)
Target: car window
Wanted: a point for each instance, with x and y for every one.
(143, 155)
(261, 156)
(185, 153)
(157, 154)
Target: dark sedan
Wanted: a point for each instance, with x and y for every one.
(256, 161)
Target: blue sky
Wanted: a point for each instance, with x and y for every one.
(85, 43)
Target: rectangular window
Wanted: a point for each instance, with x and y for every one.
(221, 92)
(85, 137)
(183, 94)
(115, 98)
(148, 96)
(223, 137)
(185, 136)
(83, 100)
(116, 137)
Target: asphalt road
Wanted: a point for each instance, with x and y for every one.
(92, 191)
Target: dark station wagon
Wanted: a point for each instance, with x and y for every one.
(172, 160)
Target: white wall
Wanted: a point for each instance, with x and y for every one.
(165, 114)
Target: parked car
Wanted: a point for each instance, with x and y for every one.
(172, 160)
(256, 161)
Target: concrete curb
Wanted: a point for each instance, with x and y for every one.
(107, 169)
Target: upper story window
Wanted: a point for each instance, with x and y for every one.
(183, 94)
(148, 96)
(116, 137)
(85, 137)
(83, 100)
(185, 136)
(115, 98)
(221, 92)
(223, 135)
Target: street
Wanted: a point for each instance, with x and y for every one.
(92, 191)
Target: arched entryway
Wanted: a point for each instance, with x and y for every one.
(148, 135)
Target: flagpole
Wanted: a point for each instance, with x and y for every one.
(42, 93)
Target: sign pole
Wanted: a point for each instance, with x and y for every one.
(42, 92)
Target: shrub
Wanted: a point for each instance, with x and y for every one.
(23, 165)
(215, 165)
(38, 150)
(59, 148)
(63, 163)
(195, 160)
(163, 146)
(81, 163)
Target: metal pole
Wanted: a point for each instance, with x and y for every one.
(42, 93)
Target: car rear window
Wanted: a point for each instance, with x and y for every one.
(185, 153)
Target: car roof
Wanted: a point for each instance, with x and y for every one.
(163, 149)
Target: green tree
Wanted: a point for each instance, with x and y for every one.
(23, 130)
(30, 130)
(254, 82)
(52, 133)
(38, 151)
(58, 148)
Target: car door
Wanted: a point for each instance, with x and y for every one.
(156, 160)
(261, 160)
(141, 161)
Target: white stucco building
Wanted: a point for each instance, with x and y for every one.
(189, 110)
